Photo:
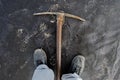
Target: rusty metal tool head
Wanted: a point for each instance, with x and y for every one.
(60, 22)
(60, 13)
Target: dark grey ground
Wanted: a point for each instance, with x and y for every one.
(98, 39)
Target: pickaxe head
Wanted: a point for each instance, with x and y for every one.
(60, 13)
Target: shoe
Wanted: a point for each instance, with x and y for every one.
(78, 64)
(39, 57)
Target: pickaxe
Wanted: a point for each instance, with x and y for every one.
(60, 22)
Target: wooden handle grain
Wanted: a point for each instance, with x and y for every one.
(60, 21)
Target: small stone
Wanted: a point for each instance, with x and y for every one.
(52, 21)
(19, 32)
(47, 35)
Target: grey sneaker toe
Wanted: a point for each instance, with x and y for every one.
(39, 56)
(78, 64)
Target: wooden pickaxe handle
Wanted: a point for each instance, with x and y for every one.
(60, 22)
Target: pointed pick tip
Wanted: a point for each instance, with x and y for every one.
(35, 14)
(83, 20)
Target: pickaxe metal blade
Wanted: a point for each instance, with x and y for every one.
(59, 13)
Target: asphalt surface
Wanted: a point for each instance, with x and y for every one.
(97, 39)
